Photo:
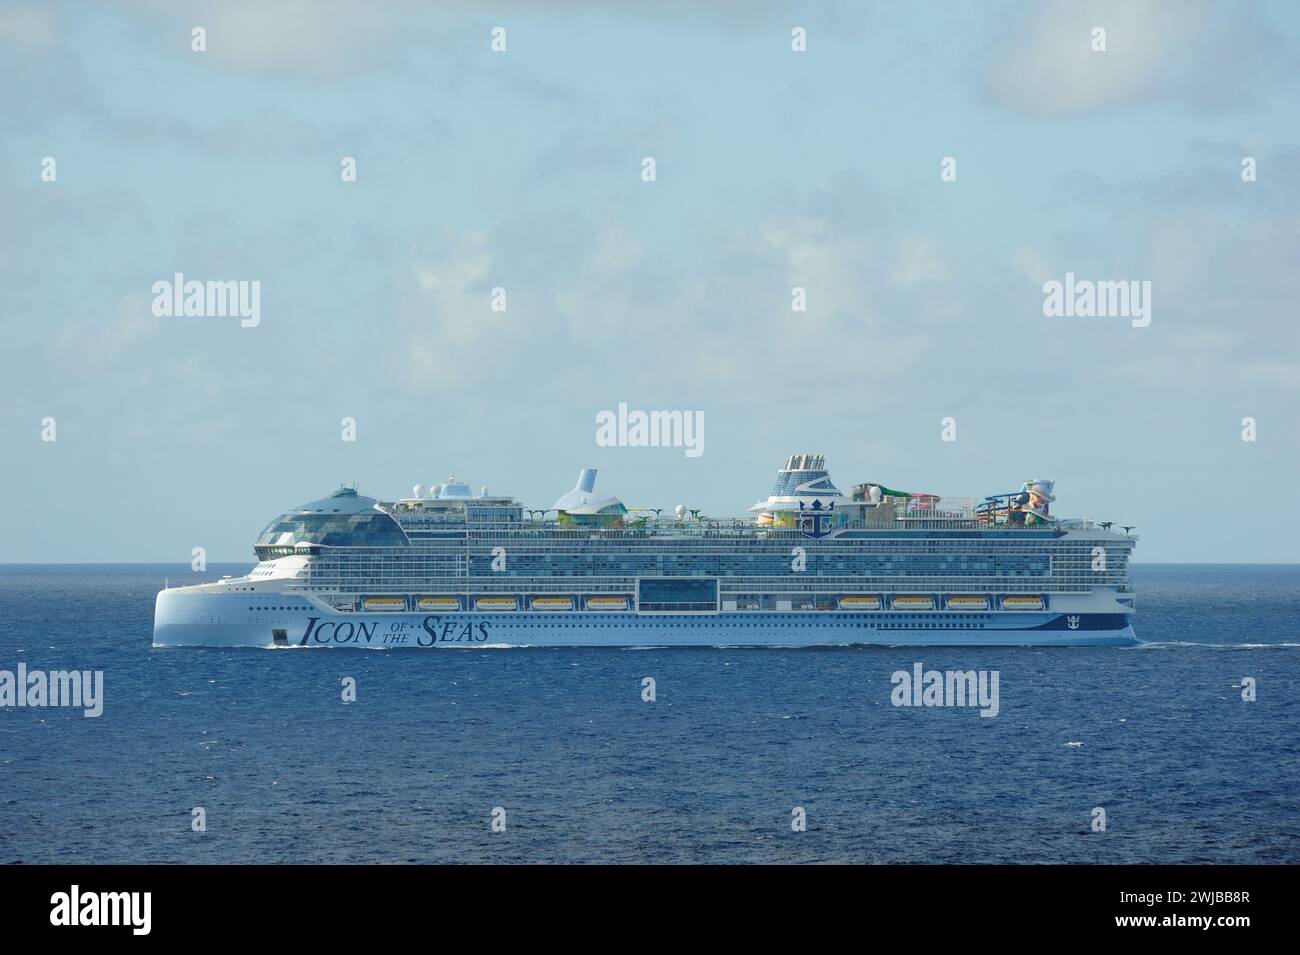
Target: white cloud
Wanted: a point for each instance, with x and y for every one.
(27, 25)
(821, 263)
(597, 300)
(131, 320)
(917, 261)
(1050, 66)
(616, 251)
(1031, 264)
(1283, 374)
(843, 273)
(292, 34)
(454, 310)
(590, 312)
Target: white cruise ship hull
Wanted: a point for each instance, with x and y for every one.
(203, 618)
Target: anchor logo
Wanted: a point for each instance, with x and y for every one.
(1072, 622)
(814, 517)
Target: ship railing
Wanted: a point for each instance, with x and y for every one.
(745, 529)
(893, 513)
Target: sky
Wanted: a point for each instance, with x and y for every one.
(522, 170)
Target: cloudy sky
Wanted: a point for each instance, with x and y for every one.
(523, 170)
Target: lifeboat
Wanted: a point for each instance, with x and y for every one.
(1022, 602)
(816, 603)
(913, 602)
(496, 603)
(552, 603)
(445, 604)
(606, 603)
(859, 602)
(968, 602)
(383, 603)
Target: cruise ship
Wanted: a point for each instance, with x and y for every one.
(807, 566)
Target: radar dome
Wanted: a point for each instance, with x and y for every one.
(680, 510)
(417, 491)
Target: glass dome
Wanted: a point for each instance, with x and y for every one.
(344, 519)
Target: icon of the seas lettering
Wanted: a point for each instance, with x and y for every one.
(338, 631)
(436, 630)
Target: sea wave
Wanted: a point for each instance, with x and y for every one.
(1179, 644)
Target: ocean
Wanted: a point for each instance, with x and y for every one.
(560, 745)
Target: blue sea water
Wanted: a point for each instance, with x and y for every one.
(710, 772)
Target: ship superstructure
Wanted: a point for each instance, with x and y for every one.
(810, 566)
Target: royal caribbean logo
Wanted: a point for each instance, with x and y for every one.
(814, 518)
(1072, 622)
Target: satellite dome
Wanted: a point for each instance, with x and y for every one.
(680, 510)
(417, 491)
